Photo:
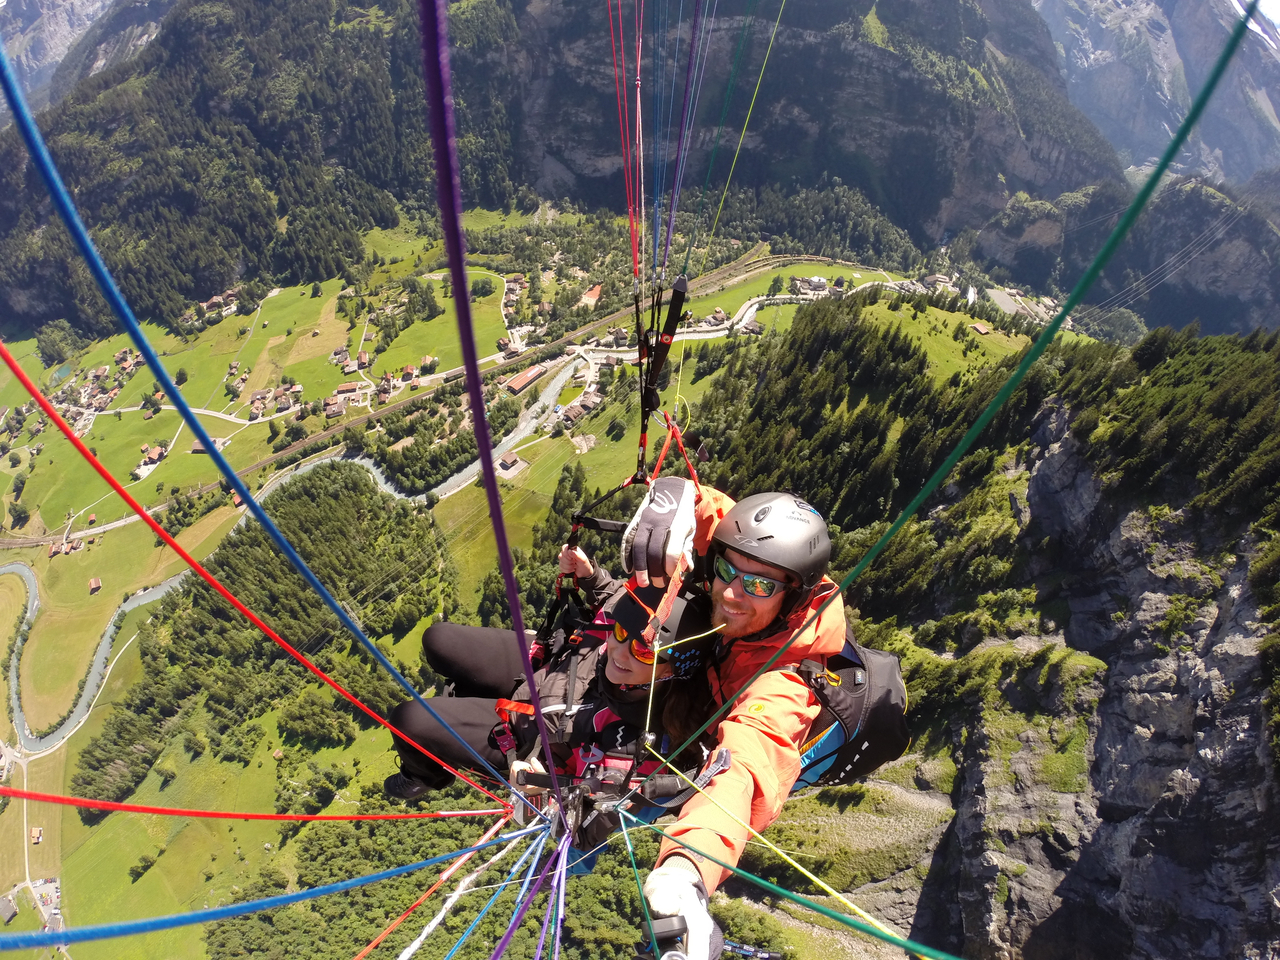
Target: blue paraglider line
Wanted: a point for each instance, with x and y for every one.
(106, 283)
(23, 941)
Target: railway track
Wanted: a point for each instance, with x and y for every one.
(745, 267)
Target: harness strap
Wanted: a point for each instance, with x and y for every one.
(564, 726)
(673, 432)
(502, 733)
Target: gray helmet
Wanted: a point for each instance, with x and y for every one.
(781, 530)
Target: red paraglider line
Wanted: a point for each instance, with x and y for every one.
(227, 815)
(209, 578)
(618, 41)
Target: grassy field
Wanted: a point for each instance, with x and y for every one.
(464, 517)
(13, 604)
(71, 621)
(204, 862)
(12, 393)
(732, 296)
(934, 330)
(12, 838)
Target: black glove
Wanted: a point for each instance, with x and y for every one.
(660, 532)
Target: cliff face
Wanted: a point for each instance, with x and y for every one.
(1129, 813)
(1133, 68)
(934, 109)
(117, 35)
(37, 35)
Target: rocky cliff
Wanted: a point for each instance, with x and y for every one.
(38, 33)
(1133, 68)
(1109, 792)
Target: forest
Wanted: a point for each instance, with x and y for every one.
(307, 128)
(208, 674)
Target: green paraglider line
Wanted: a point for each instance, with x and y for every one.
(1032, 355)
(919, 949)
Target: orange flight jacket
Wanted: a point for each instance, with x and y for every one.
(763, 730)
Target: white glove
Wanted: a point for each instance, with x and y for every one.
(673, 891)
(660, 532)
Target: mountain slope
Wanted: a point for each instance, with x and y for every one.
(1133, 68)
(38, 33)
(934, 109)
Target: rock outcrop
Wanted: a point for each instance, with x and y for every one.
(1127, 809)
(1133, 68)
(37, 35)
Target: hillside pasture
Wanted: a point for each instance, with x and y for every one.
(71, 620)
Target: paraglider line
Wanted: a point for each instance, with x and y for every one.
(108, 931)
(57, 419)
(106, 283)
(90, 804)
(435, 60)
(443, 879)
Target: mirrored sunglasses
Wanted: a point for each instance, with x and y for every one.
(755, 585)
(639, 649)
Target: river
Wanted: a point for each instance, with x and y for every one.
(97, 669)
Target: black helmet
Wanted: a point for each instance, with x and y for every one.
(689, 620)
(781, 530)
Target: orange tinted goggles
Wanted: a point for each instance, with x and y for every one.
(639, 649)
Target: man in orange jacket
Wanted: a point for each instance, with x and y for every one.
(767, 559)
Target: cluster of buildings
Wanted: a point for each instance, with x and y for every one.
(70, 546)
(151, 457)
(509, 350)
(516, 283)
(100, 386)
(284, 399)
(233, 370)
(342, 358)
(581, 407)
(353, 391)
(220, 306)
(816, 288)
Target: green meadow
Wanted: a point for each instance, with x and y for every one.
(732, 296)
(71, 619)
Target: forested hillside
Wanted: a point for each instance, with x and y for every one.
(248, 141)
(210, 676)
